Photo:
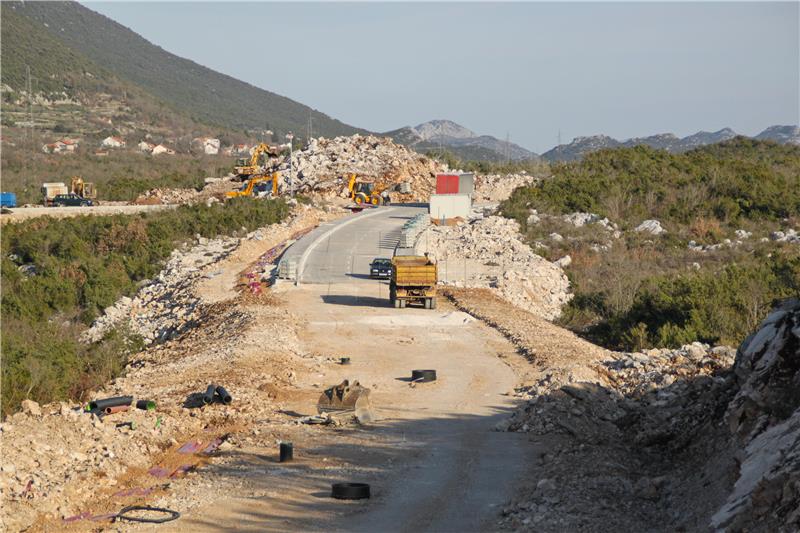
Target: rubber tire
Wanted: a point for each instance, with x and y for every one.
(423, 376)
(396, 303)
(402, 304)
(427, 303)
(350, 491)
(433, 303)
(376, 200)
(359, 199)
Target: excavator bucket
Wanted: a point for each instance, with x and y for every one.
(345, 397)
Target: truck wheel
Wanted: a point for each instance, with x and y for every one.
(427, 303)
(402, 304)
(433, 303)
(396, 303)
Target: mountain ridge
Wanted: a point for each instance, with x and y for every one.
(442, 134)
(670, 142)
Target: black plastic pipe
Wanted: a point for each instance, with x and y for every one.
(223, 395)
(146, 405)
(101, 405)
(287, 452)
(208, 397)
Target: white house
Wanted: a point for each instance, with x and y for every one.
(113, 142)
(209, 145)
(161, 149)
(60, 146)
(146, 147)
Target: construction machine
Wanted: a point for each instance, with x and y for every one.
(82, 188)
(249, 167)
(369, 192)
(413, 279)
(260, 185)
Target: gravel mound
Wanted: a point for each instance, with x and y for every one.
(492, 253)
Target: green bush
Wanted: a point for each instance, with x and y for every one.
(59, 274)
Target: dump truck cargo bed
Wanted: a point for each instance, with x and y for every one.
(414, 279)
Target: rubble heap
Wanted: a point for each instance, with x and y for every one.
(689, 439)
(325, 164)
(166, 306)
(493, 256)
(498, 187)
(214, 189)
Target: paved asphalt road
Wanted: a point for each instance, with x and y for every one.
(345, 254)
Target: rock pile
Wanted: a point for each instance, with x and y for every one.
(790, 235)
(166, 306)
(690, 439)
(652, 227)
(213, 189)
(325, 164)
(489, 251)
(498, 187)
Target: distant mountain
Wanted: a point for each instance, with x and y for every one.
(580, 146)
(781, 134)
(462, 142)
(665, 141)
(205, 94)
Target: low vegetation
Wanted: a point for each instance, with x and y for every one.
(121, 175)
(59, 274)
(641, 290)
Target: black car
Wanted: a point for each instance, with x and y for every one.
(380, 268)
(70, 200)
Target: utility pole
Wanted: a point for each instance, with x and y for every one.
(289, 137)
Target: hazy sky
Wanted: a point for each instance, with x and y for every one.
(526, 69)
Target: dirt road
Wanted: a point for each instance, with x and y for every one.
(19, 214)
(431, 455)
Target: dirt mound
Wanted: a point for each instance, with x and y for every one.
(688, 439)
(489, 252)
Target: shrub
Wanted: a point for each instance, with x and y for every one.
(76, 267)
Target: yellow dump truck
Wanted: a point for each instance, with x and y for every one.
(414, 279)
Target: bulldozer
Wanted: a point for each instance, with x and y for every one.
(346, 397)
(258, 186)
(82, 188)
(245, 167)
(373, 192)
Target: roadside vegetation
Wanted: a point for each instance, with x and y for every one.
(640, 290)
(59, 274)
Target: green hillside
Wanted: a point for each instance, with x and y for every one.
(207, 95)
(55, 68)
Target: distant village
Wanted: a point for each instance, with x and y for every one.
(205, 145)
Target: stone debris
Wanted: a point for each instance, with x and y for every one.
(650, 226)
(166, 307)
(494, 256)
(790, 235)
(498, 187)
(57, 458)
(690, 439)
(213, 190)
(325, 164)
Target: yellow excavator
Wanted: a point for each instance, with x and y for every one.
(82, 188)
(245, 167)
(258, 186)
(367, 192)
